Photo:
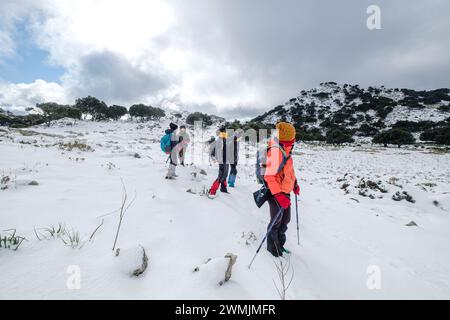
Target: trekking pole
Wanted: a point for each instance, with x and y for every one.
(267, 233)
(168, 159)
(296, 211)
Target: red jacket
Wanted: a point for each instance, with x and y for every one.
(284, 180)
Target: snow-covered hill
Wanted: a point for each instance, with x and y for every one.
(362, 111)
(350, 226)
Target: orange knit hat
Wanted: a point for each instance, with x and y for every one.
(286, 132)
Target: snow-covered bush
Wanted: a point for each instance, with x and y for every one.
(81, 146)
(6, 181)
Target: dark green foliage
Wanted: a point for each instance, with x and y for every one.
(394, 136)
(309, 119)
(327, 123)
(53, 111)
(439, 135)
(367, 130)
(305, 134)
(257, 126)
(445, 108)
(198, 116)
(379, 124)
(414, 97)
(338, 136)
(322, 95)
(368, 118)
(92, 106)
(414, 126)
(139, 110)
(116, 112)
(21, 121)
(235, 125)
(146, 112)
(383, 112)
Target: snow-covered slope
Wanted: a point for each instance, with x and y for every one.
(349, 107)
(348, 227)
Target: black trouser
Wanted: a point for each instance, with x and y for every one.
(277, 236)
(223, 174)
(233, 170)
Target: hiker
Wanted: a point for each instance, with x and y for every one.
(234, 158)
(281, 182)
(219, 153)
(169, 145)
(183, 142)
(210, 144)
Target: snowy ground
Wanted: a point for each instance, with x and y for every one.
(350, 230)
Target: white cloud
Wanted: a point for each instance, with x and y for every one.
(16, 96)
(150, 59)
(221, 55)
(69, 29)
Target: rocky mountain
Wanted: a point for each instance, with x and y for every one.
(357, 113)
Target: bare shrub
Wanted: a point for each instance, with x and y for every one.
(11, 241)
(123, 209)
(285, 276)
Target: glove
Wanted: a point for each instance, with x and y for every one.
(283, 200)
(296, 188)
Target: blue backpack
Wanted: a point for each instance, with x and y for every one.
(165, 143)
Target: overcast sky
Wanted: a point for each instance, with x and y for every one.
(231, 57)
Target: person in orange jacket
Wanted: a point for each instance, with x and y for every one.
(280, 184)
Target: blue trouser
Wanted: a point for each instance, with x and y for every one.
(232, 176)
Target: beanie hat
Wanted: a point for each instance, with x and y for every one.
(286, 132)
(173, 126)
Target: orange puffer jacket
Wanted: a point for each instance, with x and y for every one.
(284, 180)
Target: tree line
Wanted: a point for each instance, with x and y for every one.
(84, 108)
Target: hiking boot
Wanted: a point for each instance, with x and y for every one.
(214, 188)
(275, 253)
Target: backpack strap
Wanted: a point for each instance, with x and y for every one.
(285, 157)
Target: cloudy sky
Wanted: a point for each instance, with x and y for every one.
(231, 57)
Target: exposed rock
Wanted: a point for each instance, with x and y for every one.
(231, 263)
(403, 196)
(191, 191)
(345, 185)
(144, 265)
